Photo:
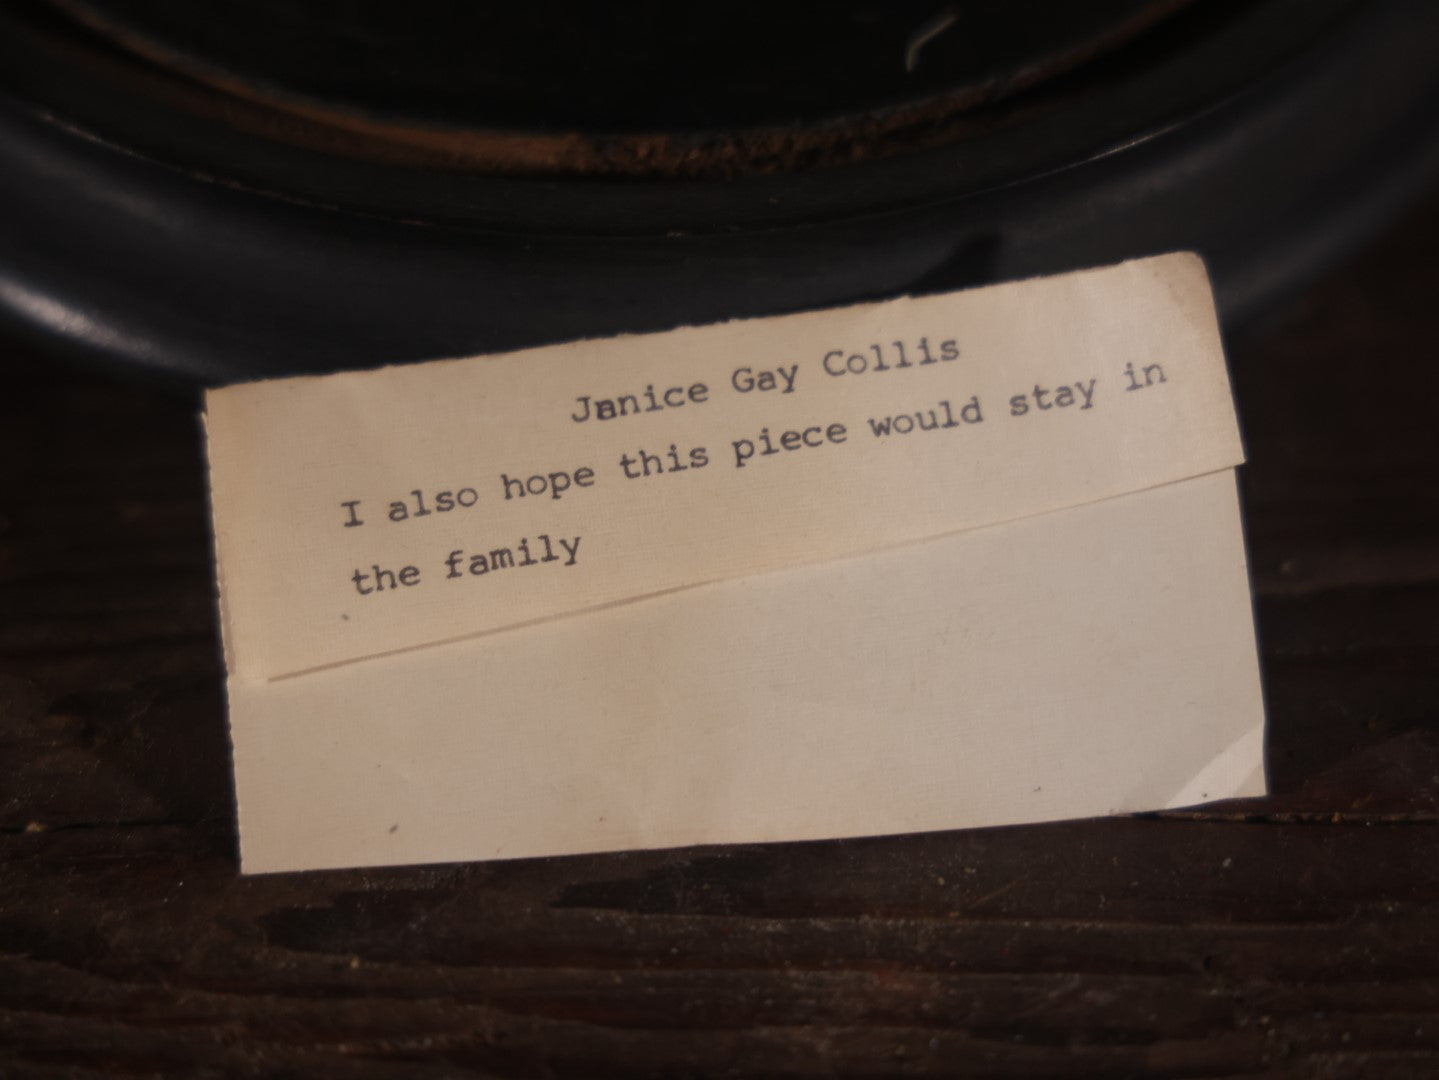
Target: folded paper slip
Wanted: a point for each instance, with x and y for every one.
(939, 562)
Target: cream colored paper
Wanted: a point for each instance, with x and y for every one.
(1118, 372)
(1043, 613)
(1090, 661)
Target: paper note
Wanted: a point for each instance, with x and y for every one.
(378, 511)
(943, 562)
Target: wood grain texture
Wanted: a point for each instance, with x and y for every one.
(1296, 935)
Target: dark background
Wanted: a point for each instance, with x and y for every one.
(1296, 935)
(240, 188)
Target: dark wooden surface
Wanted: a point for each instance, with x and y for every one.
(1292, 936)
